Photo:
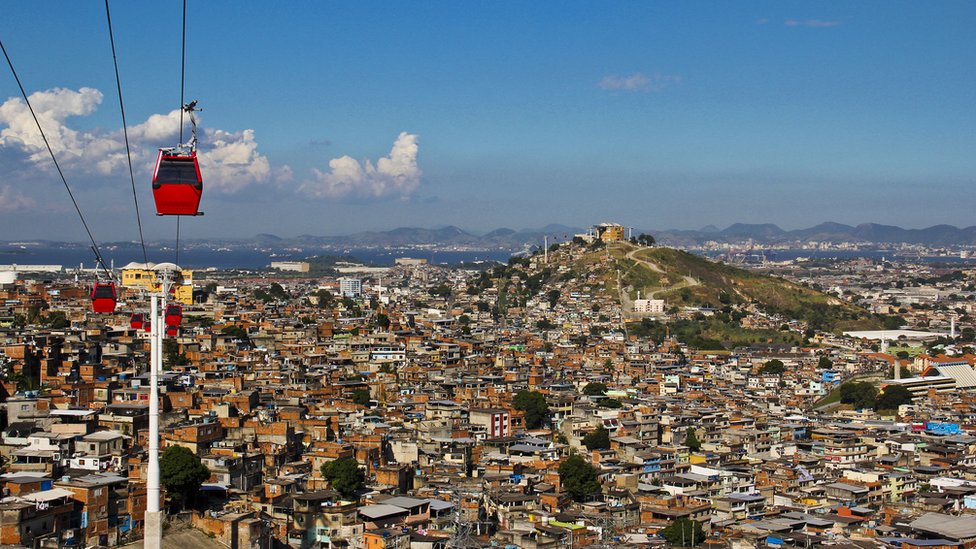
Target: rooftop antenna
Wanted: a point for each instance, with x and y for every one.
(545, 246)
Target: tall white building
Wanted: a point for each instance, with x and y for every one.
(350, 287)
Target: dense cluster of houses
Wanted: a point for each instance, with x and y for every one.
(414, 374)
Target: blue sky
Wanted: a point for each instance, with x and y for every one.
(329, 118)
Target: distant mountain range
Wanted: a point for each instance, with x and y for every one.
(767, 233)
(506, 239)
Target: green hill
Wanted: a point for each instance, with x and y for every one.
(684, 279)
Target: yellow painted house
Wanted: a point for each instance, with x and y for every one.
(610, 232)
(141, 276)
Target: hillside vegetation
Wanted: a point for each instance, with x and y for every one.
(684, 279)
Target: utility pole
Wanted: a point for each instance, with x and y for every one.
(166, 275)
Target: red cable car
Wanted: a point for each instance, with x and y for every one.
(135, 321)
(103, 297)
(147, 326)
(177, 184)
(172, 331)
(174, 315)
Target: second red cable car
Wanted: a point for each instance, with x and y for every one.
(135, 321)
(103, 297)
(174, 315)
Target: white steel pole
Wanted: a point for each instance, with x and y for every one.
(154, 519)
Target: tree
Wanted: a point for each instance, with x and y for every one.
(578, 478)
(646, 240)
(172, 355)
(382, 320)
(774, 367)
(553, 296)
(860, 394)
(892, 397)
(691, 439)
(825, 363)
(235, 332)
(595, 389)
(609, 403)
(361, 397)
(325, 298)
(597, 440)
(684, 533)
(277, 292)
(535, 407)
(344, 475)
(182, 473)
(905, 372)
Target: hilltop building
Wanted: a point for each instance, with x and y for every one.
(610, 232)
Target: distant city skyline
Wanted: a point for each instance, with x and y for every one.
(329, 118)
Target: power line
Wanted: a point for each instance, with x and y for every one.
(125, 132)
(98, 255)
(182, 72)
(182, 90)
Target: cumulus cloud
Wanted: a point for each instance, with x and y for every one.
(230, 161)
(12, 201)
(638, 82)
(394, 175)
(53, 108)
(811, 23)
(158, 128)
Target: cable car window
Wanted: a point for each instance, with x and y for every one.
(177, 171)
(104, 291)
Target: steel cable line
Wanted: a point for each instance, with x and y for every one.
(125, 132)
(182, 71)
(98, 255)
(182, 90)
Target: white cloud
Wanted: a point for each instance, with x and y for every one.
(638, 82)
(161, 129)
(394, 175)
(11, 200)
(229, 161)
(53, 108)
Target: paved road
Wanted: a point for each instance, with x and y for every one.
(627, 304)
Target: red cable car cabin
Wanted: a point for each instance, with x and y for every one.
(174, 315)
(177, 184)
(135, 321)
(147, 326)
(103, 297)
